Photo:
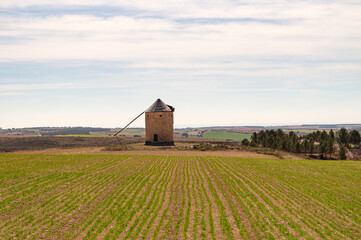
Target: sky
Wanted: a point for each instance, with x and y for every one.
(219, 62)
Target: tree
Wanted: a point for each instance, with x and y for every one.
(269, 140)
(253, 143)
(332, 134)
(283, 143)
(330, 148)
(324, 136)
(322, 148)
(245, 142)
(354, 137)
(292, 139)
(304, 145)
(343, 135)
(254, 137)
(288, 144)
(342, 153)
(261, 138)
(297, 147)
(318, 135)
(311, 146)
(279, 133)
(274, 144)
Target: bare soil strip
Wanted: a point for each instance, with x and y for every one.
(157, 152)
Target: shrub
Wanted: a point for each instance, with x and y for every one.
(245, 142)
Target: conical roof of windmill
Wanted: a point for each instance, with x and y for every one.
(160, 106)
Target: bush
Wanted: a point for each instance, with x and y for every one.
(245, 142)
(185, 135)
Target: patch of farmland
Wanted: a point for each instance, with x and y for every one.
(221, 135)
(83, 135)
(177, 197)
(132, 131)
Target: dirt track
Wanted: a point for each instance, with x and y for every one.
(96, 145)
(99, 151)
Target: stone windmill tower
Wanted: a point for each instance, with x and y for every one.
(159, 124)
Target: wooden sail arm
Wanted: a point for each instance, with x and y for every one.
(128, 124)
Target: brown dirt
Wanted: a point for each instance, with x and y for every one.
(132, 146)
(169, 152)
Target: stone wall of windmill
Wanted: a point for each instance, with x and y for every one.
(159, 124)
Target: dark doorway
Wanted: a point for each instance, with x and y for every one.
(155, 137)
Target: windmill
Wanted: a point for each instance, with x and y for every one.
(158, 124)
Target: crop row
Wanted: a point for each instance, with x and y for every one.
(178, 197)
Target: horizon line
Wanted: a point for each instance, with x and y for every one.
(200, 126)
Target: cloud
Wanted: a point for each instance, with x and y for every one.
(274, 53)
(183, 31)
(125, 38)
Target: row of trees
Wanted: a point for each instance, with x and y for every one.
(322, 142)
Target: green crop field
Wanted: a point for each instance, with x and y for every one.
(178, 197)
(220, 135)
(132, 131)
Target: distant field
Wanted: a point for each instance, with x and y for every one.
(219, 135)
(133, 132)
(163, 197)
(83, 135)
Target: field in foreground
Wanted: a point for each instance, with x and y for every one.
(177, 197)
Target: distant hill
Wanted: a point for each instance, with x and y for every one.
(299, 127)
(228, 132)
(45, 131)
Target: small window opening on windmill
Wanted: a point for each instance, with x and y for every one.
(160, 115)
(155, 137)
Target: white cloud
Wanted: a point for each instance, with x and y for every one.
(215, 47)
(21, 87)
(90, 37)
(66, 85)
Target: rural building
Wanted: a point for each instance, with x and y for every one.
(159, 124)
